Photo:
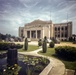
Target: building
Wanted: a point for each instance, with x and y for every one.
(63, 31)
(21, 31)
(39, 29)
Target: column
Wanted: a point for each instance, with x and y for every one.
(25, 33)
(64, 32)
(60, 32)
(36, 34)
(49, 32)
(43, 32)
(30, 34)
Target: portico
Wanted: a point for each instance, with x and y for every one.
(37, 29)
(34, 34)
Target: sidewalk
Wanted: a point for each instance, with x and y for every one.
(55, 67)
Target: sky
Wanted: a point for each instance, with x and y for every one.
(15, 13)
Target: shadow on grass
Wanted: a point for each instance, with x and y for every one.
(62, 58)
(57, 57)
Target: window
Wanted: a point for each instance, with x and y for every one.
(58, 35)
(55, 36)
(62, 28)
(58, 28)
(33, 34)
(66, 35)
(38, 33)
(62, 35)
(55, 28)
(28, 34)
(66, 28)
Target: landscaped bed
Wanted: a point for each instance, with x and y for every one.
(27, 65)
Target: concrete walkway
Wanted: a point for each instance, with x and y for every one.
(55, 67)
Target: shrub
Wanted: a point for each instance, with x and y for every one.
(66, 52)
(44, 46)
(18, 46)
(6, 46)
(40, 42)
(51, 44)
(13, 45)
(26, 44)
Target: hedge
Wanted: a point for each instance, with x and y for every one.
(6, 46)
(66, 52)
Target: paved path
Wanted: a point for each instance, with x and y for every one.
(55, 67)
(61, 44)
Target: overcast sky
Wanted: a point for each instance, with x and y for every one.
(15, 13)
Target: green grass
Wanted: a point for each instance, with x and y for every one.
(30, 48)
(68, 64)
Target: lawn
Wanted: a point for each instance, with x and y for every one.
(66, 44)
(68, 64)
(30, 48)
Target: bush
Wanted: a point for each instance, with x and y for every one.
(44, 46)
(51, 44)
(6, 46)
(40, 42)
(66, 52)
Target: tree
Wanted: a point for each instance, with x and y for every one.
(26, 44)
(44, 46)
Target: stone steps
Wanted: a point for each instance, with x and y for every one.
(69, 72)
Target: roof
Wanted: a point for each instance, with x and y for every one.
(39, 22)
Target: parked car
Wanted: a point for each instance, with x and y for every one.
(49, 40)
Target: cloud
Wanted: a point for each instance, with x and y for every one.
(15, 13)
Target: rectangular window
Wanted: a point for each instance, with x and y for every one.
(62, 28)
(55, 36)
(38, 33)
(58, 35)
(28, 34)
(58, 28)
(33, 34)
(66, 34)
(62, 35)
(55, 28)
(66, 28)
